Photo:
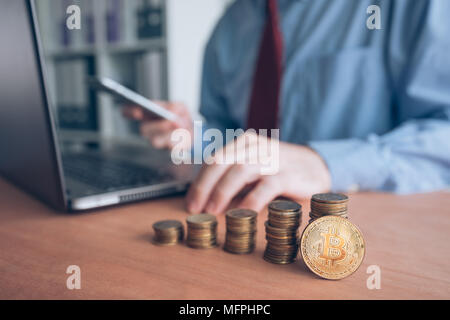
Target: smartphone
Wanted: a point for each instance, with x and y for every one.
(112, 87)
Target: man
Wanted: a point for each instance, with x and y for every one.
(358, 108)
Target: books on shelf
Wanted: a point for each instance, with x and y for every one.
(74, 37)
(71, 87)
(122, 21)
(109, 43)
(114, 10)
(150, 19)
(73, 97)
(149, 71)
(88, 14)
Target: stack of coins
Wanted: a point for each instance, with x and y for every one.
(241, 231)
(168, 232)
(282, 232)
(328, 204)
(202, 231)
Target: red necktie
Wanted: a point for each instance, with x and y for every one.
(264, 103)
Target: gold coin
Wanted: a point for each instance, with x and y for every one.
(201, 219)
(278, 260)
(328, 209)
(284, 206)
(328, 212)
(329, 204)
(275, 230)
(330, 198)
(202, 231)
(332, 247)
(319, 215)
(168, 232)
(241, 231)
(285, 219)
(282, 232)
(241, 214)
(167, 225)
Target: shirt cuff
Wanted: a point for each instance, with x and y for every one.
(354, 164)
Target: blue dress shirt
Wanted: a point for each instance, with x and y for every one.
(375, 104)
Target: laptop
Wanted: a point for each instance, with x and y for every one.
(69, 174)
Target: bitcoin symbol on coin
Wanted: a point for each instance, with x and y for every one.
(333, 247)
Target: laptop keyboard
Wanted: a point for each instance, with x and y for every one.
(108, 174)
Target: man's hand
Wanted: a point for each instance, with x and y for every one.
(158, 131)
(302, 173)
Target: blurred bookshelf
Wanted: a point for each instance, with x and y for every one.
(154, 47)
(121, 39)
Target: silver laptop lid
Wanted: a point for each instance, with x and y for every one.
(29, 154)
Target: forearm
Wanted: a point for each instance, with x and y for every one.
(413, 158)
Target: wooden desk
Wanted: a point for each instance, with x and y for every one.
(408, 237)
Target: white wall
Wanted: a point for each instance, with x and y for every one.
(190, 23)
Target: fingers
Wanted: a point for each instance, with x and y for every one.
(175, 107)
(154, 128)
(158, 132)
(265, 191)
(202, 187)
(162, 141)
(137, 113)
(210, 189)
(231, 183)
(133, 112)
(215, 199)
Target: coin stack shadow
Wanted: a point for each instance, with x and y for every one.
(282, 232)
(328, 204)
(202, 231)
(241, 231)
(168, 232)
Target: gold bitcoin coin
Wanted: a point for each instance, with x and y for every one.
(332, 247)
